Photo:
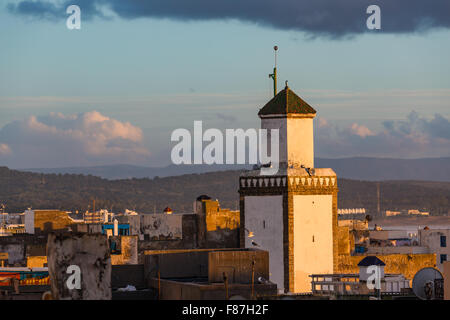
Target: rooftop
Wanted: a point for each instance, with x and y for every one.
(371, 261)
(287, 102)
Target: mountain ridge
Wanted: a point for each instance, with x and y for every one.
(359, 168)
(20, 190)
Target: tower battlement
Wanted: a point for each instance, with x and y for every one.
(288, 181)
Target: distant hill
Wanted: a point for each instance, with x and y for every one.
(378, 169)
(123, 171)
(371, 169)
(19, 190)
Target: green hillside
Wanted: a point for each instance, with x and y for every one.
(20, 190)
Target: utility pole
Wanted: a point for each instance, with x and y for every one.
(378, 199)
(225, 281)
(253, 279)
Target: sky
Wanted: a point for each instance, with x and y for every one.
(113, 91)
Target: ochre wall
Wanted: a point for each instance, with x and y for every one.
(223, 219)
(36, 261)
(446, 280)
(343, 240)
(406, 264)
(313, 238)
(48, 220)
(217, 218)
(129, 251)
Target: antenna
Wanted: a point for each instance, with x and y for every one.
(2, 208)
(378, 199)
(274, 74)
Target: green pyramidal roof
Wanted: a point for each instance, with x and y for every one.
(286, 102)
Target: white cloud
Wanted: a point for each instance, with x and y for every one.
(88, 138)
(4, 149)
(361, 130)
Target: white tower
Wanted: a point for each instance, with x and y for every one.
(294, 119)
(292, 214)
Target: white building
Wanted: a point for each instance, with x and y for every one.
(437, 240)
(292, 214)
(418, 213)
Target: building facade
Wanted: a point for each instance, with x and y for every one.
(292, 214)
(437, 241)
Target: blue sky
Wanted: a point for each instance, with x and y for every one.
(161, 73)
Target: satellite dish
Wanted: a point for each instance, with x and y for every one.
(424, 283)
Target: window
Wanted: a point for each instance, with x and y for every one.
(443, 258)
(264, 224)
(443, 241)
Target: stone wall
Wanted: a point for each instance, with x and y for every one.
(193, 234)
(238, 266)
(161, 226)
(16, 253)
(446, 280)
(133, 220)
(128, 251)
(20, 246)
(86, 227)
(219, 219)
(50, 220)
(217, 227)
(189, 239)
(343, 240)
(406, 264)
(91, 253)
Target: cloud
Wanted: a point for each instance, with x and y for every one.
(54, 10)
(329, 18)
(4, 149)
(56, 140)
(361, 131)
(412, 138)
(226, 118)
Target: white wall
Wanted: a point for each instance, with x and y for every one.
(29, 221)
(313, 238)
(281, 125)
(300, 147)
(268, 209)
(296, 139)
(165, 225)
(432, 240)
